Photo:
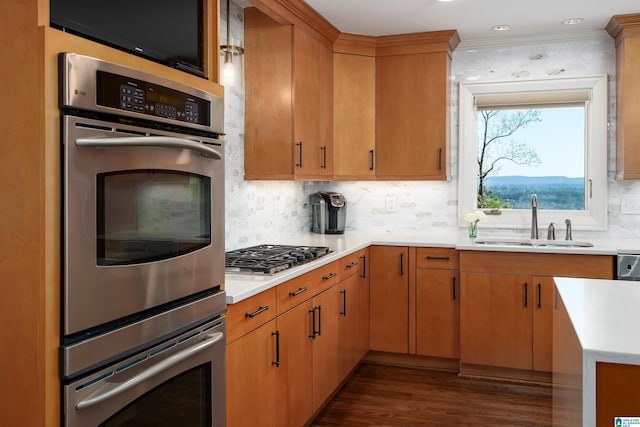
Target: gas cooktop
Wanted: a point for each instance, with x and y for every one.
(271, 259)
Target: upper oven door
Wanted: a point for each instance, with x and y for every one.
(144, 219)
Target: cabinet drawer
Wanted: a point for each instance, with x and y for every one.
(446, 258)
(300, 289)
(349, 265)
(251, 313)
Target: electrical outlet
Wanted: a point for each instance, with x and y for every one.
(630, 205)
(391, 204)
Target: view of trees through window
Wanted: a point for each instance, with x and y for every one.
(531, 151)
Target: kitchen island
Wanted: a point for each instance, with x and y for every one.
(596, 352)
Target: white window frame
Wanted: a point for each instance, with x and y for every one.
(594, 217)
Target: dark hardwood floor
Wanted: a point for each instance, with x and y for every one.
(379, 395)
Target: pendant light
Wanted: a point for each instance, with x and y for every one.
(231, 72)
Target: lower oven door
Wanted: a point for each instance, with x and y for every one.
(179, 382)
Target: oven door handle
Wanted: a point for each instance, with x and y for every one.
(149, 141)
(99, 396)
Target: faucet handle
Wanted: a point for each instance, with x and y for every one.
(568, 235)
(551, 232)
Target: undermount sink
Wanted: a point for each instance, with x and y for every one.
(533, 242)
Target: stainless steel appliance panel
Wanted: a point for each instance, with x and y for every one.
(180, 381)
(78, 75)
(95, 294)
(629, 267)
(104, 348)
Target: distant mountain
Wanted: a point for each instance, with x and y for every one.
(554, 192)
(551, 181)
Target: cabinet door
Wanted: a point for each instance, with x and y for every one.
(268, 85)
(325, 346)
(412, 116)
(389, 299)
(437, 313)
(251, 378)
(353, 116)
(363, 290)
(496, 320)
(349, 303)
(544, 290)
(312, 107)
(294, 374)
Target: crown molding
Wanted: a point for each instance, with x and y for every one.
(302, 16)
(621, 26)
(402, 44)
(532, 40)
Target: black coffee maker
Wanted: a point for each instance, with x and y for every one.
(328, 212)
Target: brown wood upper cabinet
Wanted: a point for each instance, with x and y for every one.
(354, 116)
(323, 105)
(288, 108)
(412, 121)
(624, 29)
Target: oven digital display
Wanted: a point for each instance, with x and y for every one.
(138, 96)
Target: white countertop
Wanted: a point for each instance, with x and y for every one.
(605, 316)
(242, 286)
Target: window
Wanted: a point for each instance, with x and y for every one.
(544, 137)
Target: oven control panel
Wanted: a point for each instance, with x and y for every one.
(141, 97)
(129, 94)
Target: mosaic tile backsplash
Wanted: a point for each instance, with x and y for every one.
(259, 211)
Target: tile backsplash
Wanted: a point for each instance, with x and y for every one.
(259, 211)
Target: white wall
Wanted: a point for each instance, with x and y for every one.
(258, 211)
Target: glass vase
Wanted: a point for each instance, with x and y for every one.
(473, 230)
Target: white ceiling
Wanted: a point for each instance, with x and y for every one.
(474, 19)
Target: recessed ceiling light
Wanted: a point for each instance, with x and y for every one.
(572, 21)
(501, 28)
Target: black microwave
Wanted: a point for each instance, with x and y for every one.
(165, 31)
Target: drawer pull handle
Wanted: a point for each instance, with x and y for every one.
(261, 309)
(364, 267)
(526, 295)
(329, 276)
(352, 264)
(298, 292)
(453, 288)
(438, 258)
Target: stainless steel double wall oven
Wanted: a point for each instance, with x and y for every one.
(143, 304)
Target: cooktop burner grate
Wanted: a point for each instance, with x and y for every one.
(271, 259)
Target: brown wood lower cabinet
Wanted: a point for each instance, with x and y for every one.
(251, 379)
(325, 346)
(616, 392)
(389, 299)
(506, 318)
(294, 374)
(437, 313)
(282, 368)
(496, 320)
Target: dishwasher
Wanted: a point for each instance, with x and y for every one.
(628, 267)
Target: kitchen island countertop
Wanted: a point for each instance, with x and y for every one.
(241, 286)
(604, 318)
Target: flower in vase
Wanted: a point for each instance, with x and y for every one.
(472, 218)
